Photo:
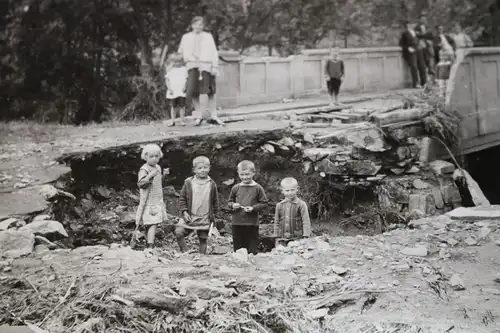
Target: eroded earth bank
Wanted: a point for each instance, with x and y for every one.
(393, 250)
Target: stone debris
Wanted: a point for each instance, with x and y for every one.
(419, 184)
(48, 229)
(16, 243)
(441, 168)
(496, 278)
(268, 148)
(43, 217)
(470, 241)
(50, 193)
(241, 255)
(10, 223)
(42, 240)
(338, 270)
(484, 232)
(456, 282)
(204, 289)
(419, 251)
(475, 213)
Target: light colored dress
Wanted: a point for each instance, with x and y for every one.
(176, 79)
(446, 57)
(151, 208)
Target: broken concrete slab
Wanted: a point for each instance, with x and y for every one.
(475, 213)
(317, 154)
(438, 198)
(15, 243)
(422, 202)
(22, 202)
(362, 168)
(203, 289)
(441, 168)
(8, 223)
(418, 251)
(451, 194)
(362, 135)
(49, 229)
(331, 168)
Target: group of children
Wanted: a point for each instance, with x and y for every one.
(198, 205)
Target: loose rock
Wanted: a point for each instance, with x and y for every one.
(49, 244)
(470, 241)
(16, 243)
(419, 251)
(338, 270)
(204, 290)
(484, 232)
(43, 217)
(8, 223)
(457, 283)
(441, 167)
(475, 213)
(241, 255)
(419, 184)
(48, 229)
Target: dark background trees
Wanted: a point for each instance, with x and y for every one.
(76, 61)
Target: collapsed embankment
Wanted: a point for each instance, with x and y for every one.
(356, 179)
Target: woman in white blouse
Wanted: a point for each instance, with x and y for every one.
(462, 40)
(200, 54)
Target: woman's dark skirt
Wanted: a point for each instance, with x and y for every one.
(196, 87)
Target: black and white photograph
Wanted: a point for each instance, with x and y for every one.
(249, 166)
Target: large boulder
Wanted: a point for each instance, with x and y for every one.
(16, 243)
(49, 229)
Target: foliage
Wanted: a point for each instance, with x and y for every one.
(75, 61)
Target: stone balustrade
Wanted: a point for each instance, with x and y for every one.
(244, 81)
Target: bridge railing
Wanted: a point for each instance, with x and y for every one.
(474, 92)
(270, 79)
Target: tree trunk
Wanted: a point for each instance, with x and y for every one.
(146, 50)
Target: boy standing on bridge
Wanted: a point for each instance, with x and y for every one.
(334, 74)
(246, 200)
(291, 220)
(198, 204)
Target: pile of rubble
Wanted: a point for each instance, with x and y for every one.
(19, 239)
(314, 285)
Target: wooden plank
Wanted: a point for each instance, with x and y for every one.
(399, 116)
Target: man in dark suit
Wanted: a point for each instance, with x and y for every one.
(425, 37)
(413, 55)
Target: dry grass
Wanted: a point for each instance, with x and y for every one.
(70, 304)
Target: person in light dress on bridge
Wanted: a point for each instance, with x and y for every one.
(200, 54)
(176, 80)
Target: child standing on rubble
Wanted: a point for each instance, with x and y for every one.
(151, 211)
(334, 75)
(291, 220)
(246, 200)
(198, 204)
(176, 80)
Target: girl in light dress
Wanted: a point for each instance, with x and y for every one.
(176, 79)
(151, 211)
